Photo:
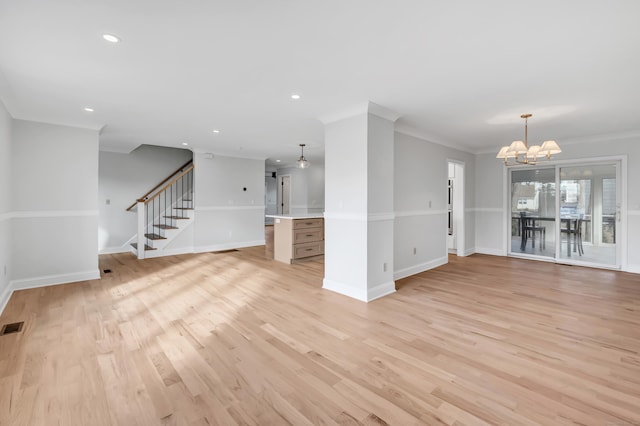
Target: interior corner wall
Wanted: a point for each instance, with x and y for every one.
(420, 203)
(122, 179)
(489, 201)
(307, 189)
(54, 204)
(6, 181)
(226, 215)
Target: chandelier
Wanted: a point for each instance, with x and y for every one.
(302, 162)
(522, 153)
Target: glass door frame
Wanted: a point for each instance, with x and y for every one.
(509, 214)
(620, 163)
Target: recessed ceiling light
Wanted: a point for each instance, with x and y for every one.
(295, 96)
(184, 144)
(277, 161)
(216, 131)
(89, 109)
(111, 38)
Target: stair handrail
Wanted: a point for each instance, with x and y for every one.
(160, 191)
(144, 197)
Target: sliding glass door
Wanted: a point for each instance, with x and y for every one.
(588, 210)
(566, 213)
(533, 212)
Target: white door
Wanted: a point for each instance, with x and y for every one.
(455, 208)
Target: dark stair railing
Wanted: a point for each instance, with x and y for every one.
(161, 208)
(167, 179)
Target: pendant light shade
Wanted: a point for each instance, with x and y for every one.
(302, 162)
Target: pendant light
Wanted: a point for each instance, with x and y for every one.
(302, 162)
(522, 153)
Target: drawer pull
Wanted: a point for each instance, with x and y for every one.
(308, 223)
(309, 235)
(309, 249)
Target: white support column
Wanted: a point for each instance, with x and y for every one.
(141, 228)
(359, 212)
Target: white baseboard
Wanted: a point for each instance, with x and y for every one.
(381, 290)
(364, 295)
(634, 269)
(45, 281)
(115, 250)
(491, 251)
(470, 251)
(228, 246)
(125, 248)
(4, 297)
(416, 269)
(150, 254)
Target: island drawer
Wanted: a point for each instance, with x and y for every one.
(307, 223)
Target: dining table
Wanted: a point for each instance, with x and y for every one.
(570, 221)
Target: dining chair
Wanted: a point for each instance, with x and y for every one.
(572, 232)
(578, 236)
(529, 230)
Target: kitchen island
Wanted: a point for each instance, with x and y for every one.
(298, 237)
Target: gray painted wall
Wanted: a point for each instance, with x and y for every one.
(55, 211)
(420, 203)
(226, 215)
(6, 180)
(307, 188)
(122, 179)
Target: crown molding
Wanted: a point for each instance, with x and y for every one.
(360, 109)
(410, 131)
(606, 137)
(212, 155)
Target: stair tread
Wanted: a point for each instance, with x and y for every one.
(177, 217)
(155, 237)
(163, 226)
(146, 247)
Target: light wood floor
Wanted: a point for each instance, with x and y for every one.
(236, 338)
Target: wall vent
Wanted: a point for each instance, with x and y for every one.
(15, 327)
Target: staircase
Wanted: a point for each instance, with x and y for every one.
(164, 212)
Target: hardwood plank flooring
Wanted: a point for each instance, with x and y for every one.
(236, 338)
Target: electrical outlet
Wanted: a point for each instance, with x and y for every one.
(429, 203)
(108, 202)
(384, 267)
(415, 251)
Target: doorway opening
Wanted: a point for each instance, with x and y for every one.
(455, 208)
(284, 194)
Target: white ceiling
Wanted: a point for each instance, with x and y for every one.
(458, 72)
